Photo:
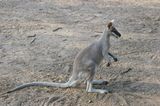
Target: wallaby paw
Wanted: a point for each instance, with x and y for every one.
(105, 82)
(104, 91)
(115, 59)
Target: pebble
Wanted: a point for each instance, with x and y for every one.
(66, 68)
(90, 101)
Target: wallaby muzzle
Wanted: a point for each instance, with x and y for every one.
(116, 33)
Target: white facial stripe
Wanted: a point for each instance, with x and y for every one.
(114, 35)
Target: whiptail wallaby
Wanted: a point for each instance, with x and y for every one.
(85, 64)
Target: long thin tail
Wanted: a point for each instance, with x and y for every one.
(43, 84)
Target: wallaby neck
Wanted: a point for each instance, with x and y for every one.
(105, 39)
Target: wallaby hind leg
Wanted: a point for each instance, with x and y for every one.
(91, 72)
(99, 82)
(90, 81)
(90, 88)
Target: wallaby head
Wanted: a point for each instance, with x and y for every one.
(112, 30)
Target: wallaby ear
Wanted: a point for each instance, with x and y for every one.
(110, 24)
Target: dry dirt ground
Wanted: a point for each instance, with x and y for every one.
(40, 38)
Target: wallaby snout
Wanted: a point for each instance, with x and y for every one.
(116, 32)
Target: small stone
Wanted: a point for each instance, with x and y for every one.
(157, 18)
(100, 12)
(150, 31)
(90, 101)
(66, 68)
(64, 39)
(59, 80)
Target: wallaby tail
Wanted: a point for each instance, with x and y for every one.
(43, 84)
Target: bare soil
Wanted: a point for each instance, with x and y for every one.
(40, 38)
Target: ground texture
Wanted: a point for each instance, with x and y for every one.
(40, 38)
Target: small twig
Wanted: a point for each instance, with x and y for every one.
(32, 36)
(132, 52)
(33, 41)
(98, 31)
(126, 71)
(2, 94)
(54, 100)
(95, 35)
(57, 29)
(129, 52)
(122, 100)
